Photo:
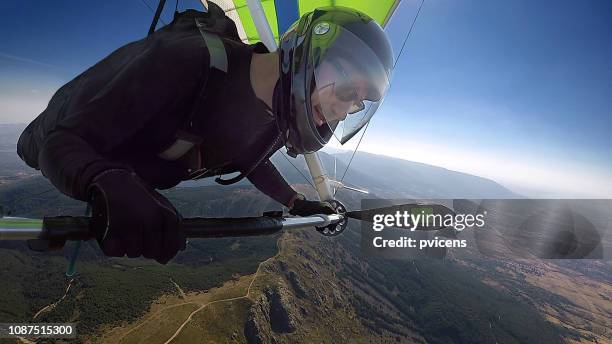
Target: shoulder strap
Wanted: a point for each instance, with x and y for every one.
(217, 70)
(218, 55)
(218, 63)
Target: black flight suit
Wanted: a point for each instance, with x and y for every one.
(131, 106)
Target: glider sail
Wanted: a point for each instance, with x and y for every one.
(282, 13)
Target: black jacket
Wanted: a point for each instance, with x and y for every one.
(129, 107)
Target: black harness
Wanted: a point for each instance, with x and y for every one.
(186, 139)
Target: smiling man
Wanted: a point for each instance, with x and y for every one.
(347, 67)
(189, 102)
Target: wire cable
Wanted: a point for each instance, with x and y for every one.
(297, 169)
(353, 155)
(394, 64)
(409, 32)
(152, 10)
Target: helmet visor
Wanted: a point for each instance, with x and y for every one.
(350, 81)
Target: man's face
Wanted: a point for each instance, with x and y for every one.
(340, 89)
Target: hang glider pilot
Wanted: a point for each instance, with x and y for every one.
(172, 107)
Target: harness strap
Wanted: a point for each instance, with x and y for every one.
(218, 56)
(217, 66)
(184, 142)
(242, 175)
(158, 12)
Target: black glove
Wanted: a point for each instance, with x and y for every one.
(304, 207)
(131, 218)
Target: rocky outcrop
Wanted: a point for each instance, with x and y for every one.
(297, 286)
(256, 329)
(305, 301)
(272, 313)
(282, 319)
(293, 279)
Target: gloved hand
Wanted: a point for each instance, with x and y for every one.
(132, 218)
(303, 207)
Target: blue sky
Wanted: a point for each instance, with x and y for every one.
(516, 91)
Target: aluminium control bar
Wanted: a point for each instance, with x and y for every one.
(64, 228)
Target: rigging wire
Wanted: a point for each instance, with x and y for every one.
(394, 64)
(353, 155)
(409, 32)
(152, 10)
(297, 169)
